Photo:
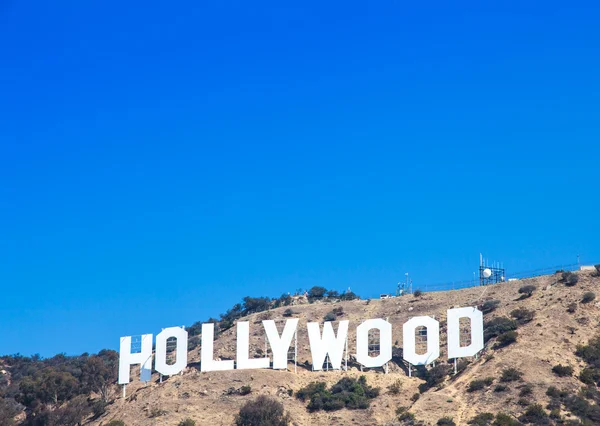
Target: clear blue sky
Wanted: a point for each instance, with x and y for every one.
(160, 161)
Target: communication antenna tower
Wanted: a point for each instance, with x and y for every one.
(490, 274)
(401, 290)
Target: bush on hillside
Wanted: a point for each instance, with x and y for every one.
(553, 392)
(482, 419)
(406, 417)
(489, 306)
(506, 339)
(346, 393)
(446, 421)
(572, 308)
(418, 293)
(522, 315)
(331, 316)
(511, 375)
(588, 297)
(498, 326)
(288, 312)
(525, 390)
(262, 411)
(562, 370)
(187, 422)
(395, 388)
(590, 353)
(527, 290)
(505, 420)
(479, 384)
(434, 376)
(535, 414)
(115, 423)
(576, 404)
(570, 279)
(590, 376)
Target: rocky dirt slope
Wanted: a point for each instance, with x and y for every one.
(549, 339)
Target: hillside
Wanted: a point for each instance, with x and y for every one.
(561, 322)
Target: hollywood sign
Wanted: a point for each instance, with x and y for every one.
(323, 345)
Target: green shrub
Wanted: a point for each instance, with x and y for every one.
(511, 375)
(349, 295)
(500, 388)
(505, 420)
(284, 300)
(434, 377)
(418, 293)
(489, 306)
(553, 392)
(262, 411)
(535, 414)
(506, 339)
(497, 326)
(555, 413)
(115, 423)
(572, 307)
(187, 422)
(446, 421)
(588, 297)
(99, 407)
(476, 385)
(526, 390)
(407, 418)
(522, 315)
(317, 292)
(590, 376)
(527, 290)
(347, 392)
(245, 390)
(562, 370)
(482, 419)
(331, 316)
(395, 388)
(288, 312)
(333, 294)
(590, 353)
(570, 279)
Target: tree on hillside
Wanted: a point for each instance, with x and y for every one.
(317, 292)
(253, 305)
(48, 387)
(332, 294)
(72, 414)
(99, 373)
(349, 295)
(9, 409)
